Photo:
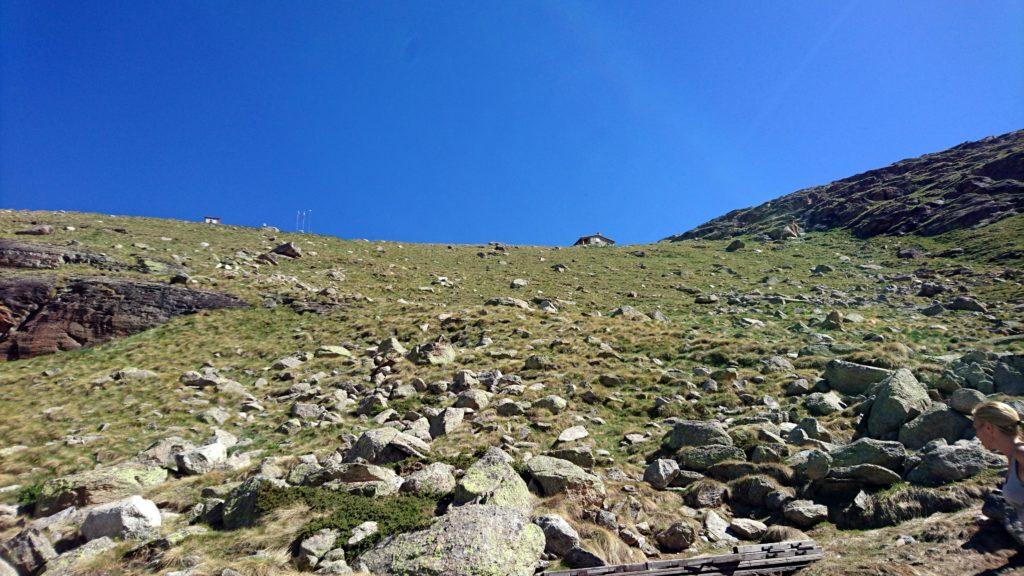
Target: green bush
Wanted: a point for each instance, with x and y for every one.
(29, 494)
(344, 511)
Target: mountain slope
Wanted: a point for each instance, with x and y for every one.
(973, 184)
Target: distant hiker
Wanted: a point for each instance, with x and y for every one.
(1000, 429)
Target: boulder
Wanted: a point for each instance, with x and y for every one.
(474, 540)
(28, 551)
(134, 517)
(288, 250)
(963, 400)
(70, 563)
(436, 353)
(660, 473)
(888, 454)
(696, 433)
(474, 399)
(942, 463)
(823, 403)
(492, 480)
(865, 474)
(446, 421)
(677, 537)
(572, 434)
(385, 446)
(700, 458)
(555, 476)
(202, 459)
(559, 536)
(314, 547)
(852, 378)
(900, 399)
(436, 479)
(97, 486)
(938, 421)
(804, 513)
(748, 528)
(240, 507)
(553, 404)
(356, 478)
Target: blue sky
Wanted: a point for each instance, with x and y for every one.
(515, 121)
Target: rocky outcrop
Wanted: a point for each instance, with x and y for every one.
(972, 184)
(42, 316)
(470, 540)
(21, 254)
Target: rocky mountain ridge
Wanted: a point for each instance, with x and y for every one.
(973, 184)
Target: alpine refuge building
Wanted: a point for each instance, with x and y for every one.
(594, 240)
(211, 219)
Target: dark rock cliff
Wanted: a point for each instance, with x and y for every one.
(42, 315)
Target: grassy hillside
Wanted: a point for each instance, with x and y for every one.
(60, 414)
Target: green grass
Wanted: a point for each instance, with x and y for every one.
(342, 512)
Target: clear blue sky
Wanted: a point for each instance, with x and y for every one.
(515, 121)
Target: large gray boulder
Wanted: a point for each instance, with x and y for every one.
(696, 433)
(900, 399)
(555, 476)
(474, 540)
(134, 517)
(938, 421)
(942, 463)
(851, 378)
(493, 480)
(385, 446)
(885, 453)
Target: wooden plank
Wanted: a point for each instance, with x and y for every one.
(749, 559)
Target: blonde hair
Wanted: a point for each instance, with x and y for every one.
(1002, 416)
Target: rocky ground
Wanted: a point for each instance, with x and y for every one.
(194, 399)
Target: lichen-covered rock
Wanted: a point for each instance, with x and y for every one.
(97, 486)
(70, 563)
(435, 479)
(900, 399)
(555, 476)
(356, 478)
(492, 480)
(474, 540)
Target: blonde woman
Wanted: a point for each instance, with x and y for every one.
(1000, 429)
